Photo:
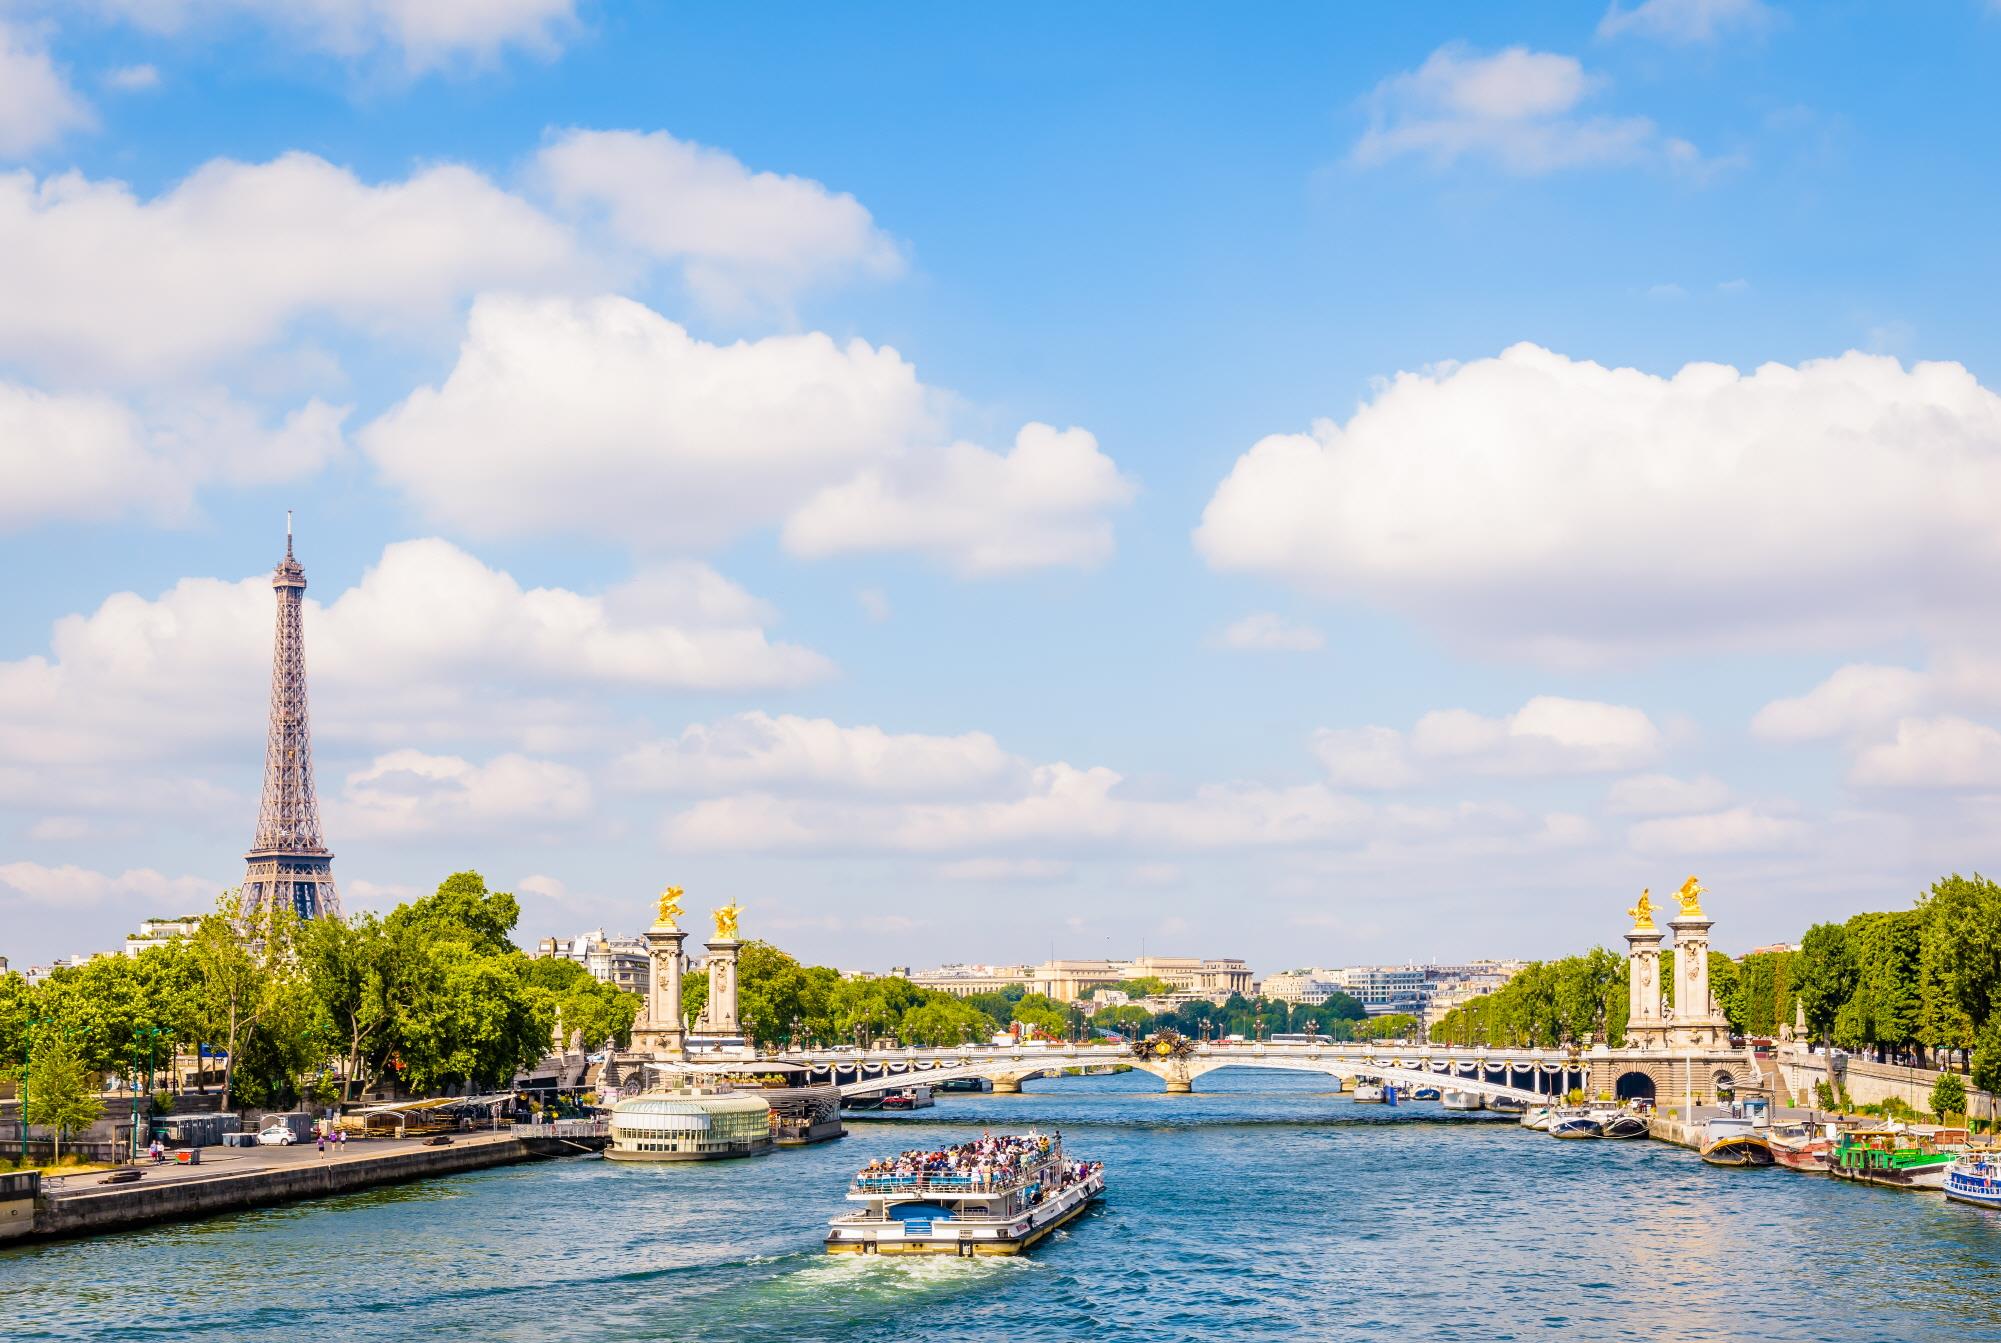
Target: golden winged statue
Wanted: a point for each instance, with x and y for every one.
(670, 908)
(1642, 914)
(1690, 895)
(726, 921)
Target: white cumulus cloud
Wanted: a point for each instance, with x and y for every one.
(425, 34)
(1745, 829)
(37, 104)
(743, 237)
(1946, 751)
(73, 888)
(1547, 735)
(786, 752)
(430, 644)
(1516, 107)
(606, 419)
(1267, 631)
(1043, 504)
(411, 793)
(102, 282)
(76, 456)
(1666, 795)
(1684, 21)
(1573, 511)
(1856, 698)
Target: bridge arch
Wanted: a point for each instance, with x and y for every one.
(1634, 1085)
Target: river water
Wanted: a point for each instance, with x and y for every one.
(1261, 1207)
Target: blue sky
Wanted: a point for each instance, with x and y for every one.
(866, 465)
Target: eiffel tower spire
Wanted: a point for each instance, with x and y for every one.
(288, 861)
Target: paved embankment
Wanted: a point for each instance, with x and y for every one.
(230, 1180)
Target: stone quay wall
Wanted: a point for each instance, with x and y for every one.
(1873, 1083)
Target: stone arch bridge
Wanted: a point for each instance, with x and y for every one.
(1527, 1074)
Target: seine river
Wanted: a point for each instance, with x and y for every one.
(1261, 1207)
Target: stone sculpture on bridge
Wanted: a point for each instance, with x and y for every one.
(1690, 895)
(1642, 914)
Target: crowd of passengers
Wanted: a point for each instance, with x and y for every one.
(987, 1162)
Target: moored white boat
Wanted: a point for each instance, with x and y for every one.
(1620, 1123)
(1537, 1117)
(1975, 1177)
(1732, 1141)
(1368, 1093)
(1454, 1099)
(1575, 1124)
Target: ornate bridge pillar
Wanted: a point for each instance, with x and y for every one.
(1645, 1027)
(661, 1031)
(1697, 1023)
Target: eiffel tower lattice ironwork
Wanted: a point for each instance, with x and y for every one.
(288, 862)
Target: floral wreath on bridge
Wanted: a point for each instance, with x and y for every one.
(1163, 1044)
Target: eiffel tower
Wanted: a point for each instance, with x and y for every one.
(289, 862)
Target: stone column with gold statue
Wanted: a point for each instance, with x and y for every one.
(1644, 1027)
(660, 1029)
(1697, 1024)
(719, 1016)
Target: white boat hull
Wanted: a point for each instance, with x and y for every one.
(854, 1235)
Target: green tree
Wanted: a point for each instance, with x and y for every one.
(248, 987)
(1039, 1012)
(1986, 1068)
(1827, 977)
(1948, 1096)
(594, 1012)
(1390, 1026)
(942, 1020)
(353, 969)
(62, 1096)
(1959, 960)
(464, 1011)
(16, 1010)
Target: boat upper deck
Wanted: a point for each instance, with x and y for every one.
(986, 1167)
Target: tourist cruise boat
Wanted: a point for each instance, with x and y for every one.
(1975, 1177)
(1902, 1158)
(995, 1195)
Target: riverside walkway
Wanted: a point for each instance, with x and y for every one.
(230, 1179)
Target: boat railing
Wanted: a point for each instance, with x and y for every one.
(934, 1183)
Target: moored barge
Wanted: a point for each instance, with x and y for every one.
(994, 1195)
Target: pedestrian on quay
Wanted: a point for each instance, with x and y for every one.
(322, 1142)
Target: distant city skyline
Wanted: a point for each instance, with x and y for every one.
(1328, 485)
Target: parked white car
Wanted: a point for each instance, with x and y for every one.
(276, 1136)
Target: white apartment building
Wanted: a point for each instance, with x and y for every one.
(1210, 979)
(619, 961)
(158, 932)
